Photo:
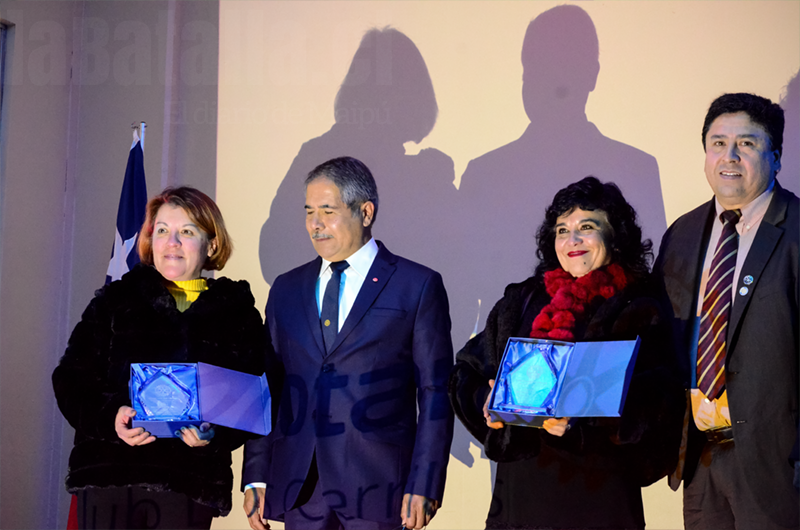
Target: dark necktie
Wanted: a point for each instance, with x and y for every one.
(711, 348)
(329, 318)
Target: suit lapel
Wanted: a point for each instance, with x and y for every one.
(308, 293)
(695, 251)
(683, 265)
(382, 269)
(759, 254)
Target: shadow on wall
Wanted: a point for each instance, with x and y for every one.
(481, 237)
(789, 176)
(507, 190)
(386, 99)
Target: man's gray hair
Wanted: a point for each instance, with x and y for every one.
(354, 181)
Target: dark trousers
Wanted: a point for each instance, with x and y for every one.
(135, 507)
(718, 496)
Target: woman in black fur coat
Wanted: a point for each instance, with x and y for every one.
(591, 284)
(160, 311)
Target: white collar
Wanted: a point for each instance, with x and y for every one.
(359, 262)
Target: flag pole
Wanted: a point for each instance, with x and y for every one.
(139, 129)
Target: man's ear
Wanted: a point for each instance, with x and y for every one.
(367, 213)
(776, 163)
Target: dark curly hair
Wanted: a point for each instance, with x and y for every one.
(625, 245)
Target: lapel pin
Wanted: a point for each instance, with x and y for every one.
(748, 280)
(743, 291)
(374, 279)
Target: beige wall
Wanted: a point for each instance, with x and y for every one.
(661, 64)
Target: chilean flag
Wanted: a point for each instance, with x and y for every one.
(130, 215)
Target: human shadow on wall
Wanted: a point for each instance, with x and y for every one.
(507, 190)
(386, 100)
(789, 176)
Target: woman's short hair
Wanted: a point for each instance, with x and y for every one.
(625, 244)
(202, 210)
(388, 84)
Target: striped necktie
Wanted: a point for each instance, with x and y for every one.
(716, 308)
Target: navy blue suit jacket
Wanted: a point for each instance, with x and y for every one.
(763, 344)
(357, 407)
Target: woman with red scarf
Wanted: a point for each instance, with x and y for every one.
(591, 284)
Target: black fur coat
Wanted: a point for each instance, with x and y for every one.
(644, 441)
(134, 320)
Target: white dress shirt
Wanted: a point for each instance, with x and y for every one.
(352, 279)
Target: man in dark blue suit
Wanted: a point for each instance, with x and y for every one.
(359, 367)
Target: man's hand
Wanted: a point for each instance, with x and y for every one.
(137, 436)
(254, 508)
(491, 424)
(417, 511)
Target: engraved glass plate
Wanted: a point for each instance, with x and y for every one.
(165, 392)
(529, 380)
(533, 379)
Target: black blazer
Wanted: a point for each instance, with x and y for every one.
(762, 360)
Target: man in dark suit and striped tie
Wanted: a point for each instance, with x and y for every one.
(730, 270)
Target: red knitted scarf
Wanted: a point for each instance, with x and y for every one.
(570, 296)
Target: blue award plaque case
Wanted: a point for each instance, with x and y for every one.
(168, 396)
(540, 379)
